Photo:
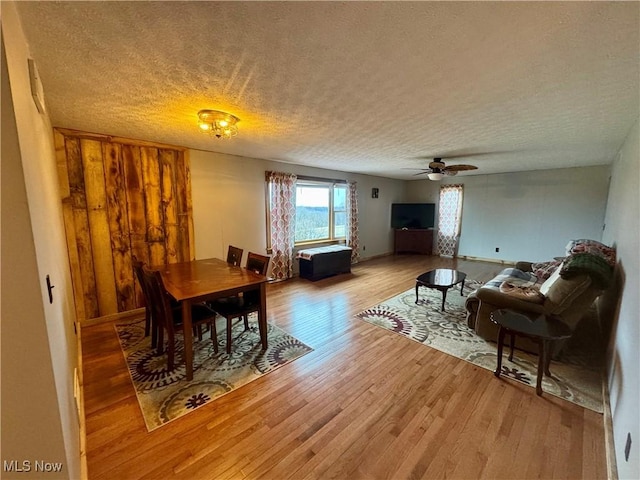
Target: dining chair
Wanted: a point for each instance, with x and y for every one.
(169, 319)
(234, 255)
(149, 324)
(241, 306)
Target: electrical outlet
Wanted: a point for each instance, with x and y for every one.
(627, 447)
(497, 249)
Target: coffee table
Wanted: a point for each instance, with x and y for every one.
(441, 279)
(542, 329)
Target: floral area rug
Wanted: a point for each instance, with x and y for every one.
(166, 395)
(576, 374)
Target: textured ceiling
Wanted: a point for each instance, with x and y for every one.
(369, 87)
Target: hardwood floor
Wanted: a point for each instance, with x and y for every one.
(364, 404)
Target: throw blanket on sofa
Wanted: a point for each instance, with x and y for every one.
(513, 276)
(595, 266)
(528, 294)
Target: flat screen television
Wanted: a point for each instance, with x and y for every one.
(413, 215)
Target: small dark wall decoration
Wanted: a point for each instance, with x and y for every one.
(374, 193)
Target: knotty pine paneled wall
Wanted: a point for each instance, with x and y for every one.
(121, 198)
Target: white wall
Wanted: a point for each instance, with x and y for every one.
(527, 215)
(623, 231)
(39, 418)
(229, 203)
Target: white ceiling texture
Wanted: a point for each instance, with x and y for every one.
(370, 87)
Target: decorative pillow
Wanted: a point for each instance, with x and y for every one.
(560, 292)
(594, 247)
(544, 270)
(596, 266)
(528, 294)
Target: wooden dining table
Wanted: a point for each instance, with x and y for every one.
(208, 279)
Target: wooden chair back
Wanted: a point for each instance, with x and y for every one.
(234, 255)
(137, 269)
(158, 299)
(258, 263)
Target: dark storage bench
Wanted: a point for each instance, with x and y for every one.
(321, 262)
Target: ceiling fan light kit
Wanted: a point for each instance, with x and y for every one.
(217, 123)
(435, 176)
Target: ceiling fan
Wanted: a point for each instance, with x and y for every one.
(437, 169)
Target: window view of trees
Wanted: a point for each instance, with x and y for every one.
(311, 223)
(320, 211)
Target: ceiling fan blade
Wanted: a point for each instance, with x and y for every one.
(437, 165)
(460, 168)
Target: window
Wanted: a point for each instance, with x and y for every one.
(321, 211)
(449, 219)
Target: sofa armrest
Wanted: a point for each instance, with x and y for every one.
(501, 300)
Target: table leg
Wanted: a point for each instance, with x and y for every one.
(462, 288)
(513, 344)
(188, 338)
(444, 297)
(501, 332)
(541, 353)
(417, 285)
(262, 316)
(547, 359)
(154, 327)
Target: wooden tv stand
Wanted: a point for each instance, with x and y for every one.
(413, 241)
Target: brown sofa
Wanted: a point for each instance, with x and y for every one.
(567, 299)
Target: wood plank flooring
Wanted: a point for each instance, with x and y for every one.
(364, 404)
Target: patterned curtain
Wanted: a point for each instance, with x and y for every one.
(449, 219)
(352, 222)
(282, 214)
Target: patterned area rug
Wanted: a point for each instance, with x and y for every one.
(576, 375)
(166, 395)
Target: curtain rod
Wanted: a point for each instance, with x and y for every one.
(320, 179)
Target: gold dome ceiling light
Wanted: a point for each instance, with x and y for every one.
(218, 124)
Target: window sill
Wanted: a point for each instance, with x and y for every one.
(315, 243)
(318, 243)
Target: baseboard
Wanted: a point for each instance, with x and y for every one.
(78, 393)
(610, 450)
(296, 273)
(490, 260)
(137, 312)
(373, 257)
